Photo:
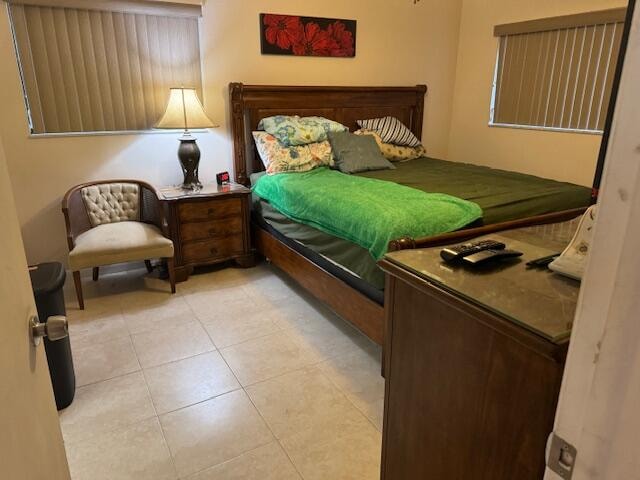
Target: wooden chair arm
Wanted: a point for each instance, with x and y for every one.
(76, 219)
(153, 209)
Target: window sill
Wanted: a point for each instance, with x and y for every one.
(546, 129)
(114, 133)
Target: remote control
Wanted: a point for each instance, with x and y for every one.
(488, 256)
(457, 252)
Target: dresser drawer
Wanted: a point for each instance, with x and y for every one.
(190, 232)
(209, 210)
(210, 249)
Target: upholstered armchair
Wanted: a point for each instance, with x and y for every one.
(115, 221)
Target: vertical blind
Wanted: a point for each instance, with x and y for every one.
(98, 70)
(557, 72)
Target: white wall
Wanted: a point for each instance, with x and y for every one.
(563, 156)
(398, 43)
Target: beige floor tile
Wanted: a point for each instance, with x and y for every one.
(264, 463)
(124, 285)
(319, 410)
(213, 432)
(329, 337)
(304, 400)
(206, 303)
(99, 303)
(266, 357)
(270, 289)
(171, 343)
(295, 312)
(102, 361)
(89, 328)
(106, 406)
(221, 277)
(186, 382)
(234, 308)
(137, 452)
(353, 453)
(162, 312)
(230, 330)
(357, 374)
(374, 411)
(133, 299)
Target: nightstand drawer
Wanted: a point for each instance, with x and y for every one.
(211, 209)
(190, 232)
(220, 247)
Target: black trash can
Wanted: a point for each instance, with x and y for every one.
(47, 280)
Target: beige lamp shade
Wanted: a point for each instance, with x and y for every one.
(184, 111)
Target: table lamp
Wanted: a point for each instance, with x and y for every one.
(184, 111)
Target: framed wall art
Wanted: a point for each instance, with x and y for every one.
(307, 36)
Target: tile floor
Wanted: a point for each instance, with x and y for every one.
(240, 375)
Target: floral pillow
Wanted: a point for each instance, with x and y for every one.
(395, 153)
(302, 158)
(291, 131)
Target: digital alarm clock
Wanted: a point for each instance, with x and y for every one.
(222, 178)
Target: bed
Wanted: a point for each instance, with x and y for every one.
(338, 272)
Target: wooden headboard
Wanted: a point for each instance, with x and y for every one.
(251, 103)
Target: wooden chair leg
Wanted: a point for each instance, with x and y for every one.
(96, 273)
(148, 265)
(78, 284)
(172, 274)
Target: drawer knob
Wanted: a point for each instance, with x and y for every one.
(213, 250)
(212, 231)
(210, 211)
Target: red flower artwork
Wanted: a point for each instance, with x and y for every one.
(308, 36)
(314, 41)
(343, 39)
(282, 30)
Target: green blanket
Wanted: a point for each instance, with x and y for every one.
(365, 211)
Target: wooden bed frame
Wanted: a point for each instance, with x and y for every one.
(251, 103)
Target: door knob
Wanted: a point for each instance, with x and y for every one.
(56, 328)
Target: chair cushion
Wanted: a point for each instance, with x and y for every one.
(111, 243)
(111, 202)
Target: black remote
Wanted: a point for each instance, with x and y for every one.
(489, 256)
(457, 252)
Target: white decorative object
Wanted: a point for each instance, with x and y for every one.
(573, 260)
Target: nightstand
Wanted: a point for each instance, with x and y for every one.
(209, 226)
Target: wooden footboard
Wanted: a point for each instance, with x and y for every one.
(407, 243)
(362, 312)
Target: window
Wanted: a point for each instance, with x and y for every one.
(557, 73)
(98, 69)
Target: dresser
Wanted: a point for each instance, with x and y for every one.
(474, 361)
(210, 226)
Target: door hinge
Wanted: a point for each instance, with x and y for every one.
(561, 456)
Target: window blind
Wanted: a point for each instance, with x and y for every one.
(92, 70)
(557, 72)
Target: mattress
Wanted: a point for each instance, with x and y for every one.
(501, 194)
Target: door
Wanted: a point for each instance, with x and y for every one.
(598, 412)
(31, 445)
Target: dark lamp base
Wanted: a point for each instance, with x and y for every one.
(189, 155)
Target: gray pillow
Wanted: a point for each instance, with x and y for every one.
(357, 153)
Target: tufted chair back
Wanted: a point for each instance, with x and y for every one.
(111, 202)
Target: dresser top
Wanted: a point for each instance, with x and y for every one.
(208, 190)
(537, 299)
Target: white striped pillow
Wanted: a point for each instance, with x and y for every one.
(391, 130)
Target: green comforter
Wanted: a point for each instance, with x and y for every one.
(365, 211)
